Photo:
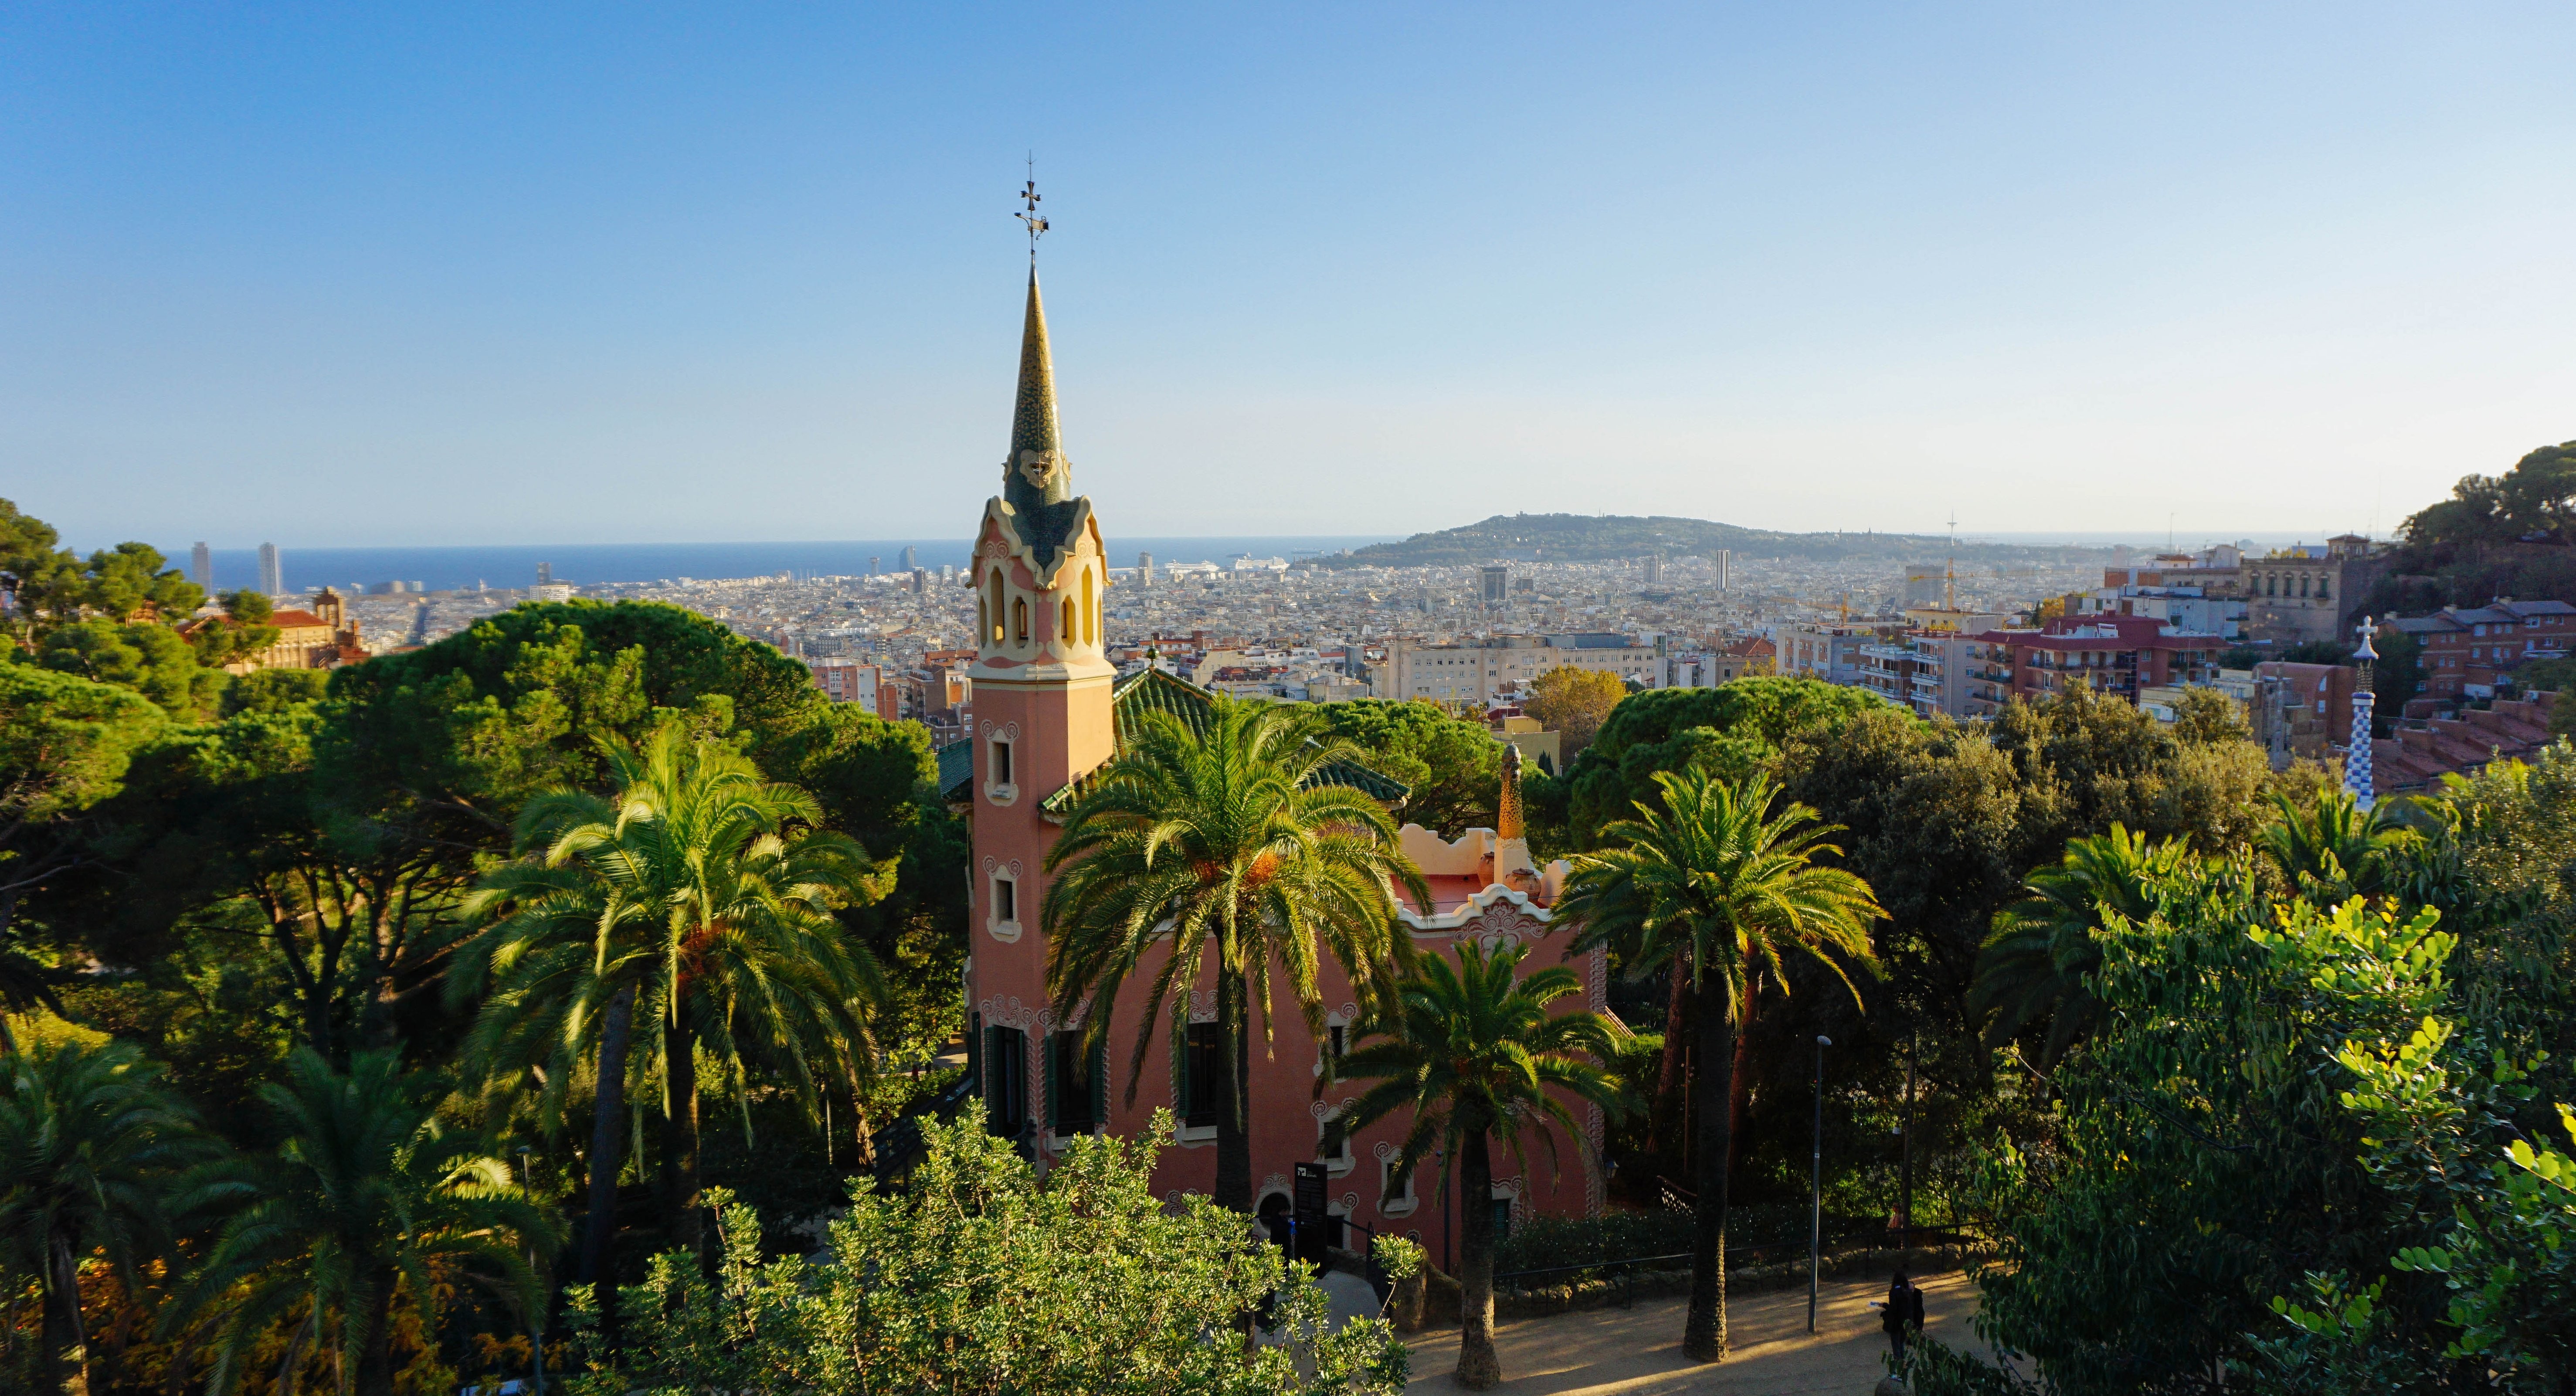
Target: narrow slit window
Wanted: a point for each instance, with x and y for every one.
(1020, 619)
(1001, 762)
(1006, 899)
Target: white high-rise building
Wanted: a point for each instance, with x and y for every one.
(201, 567)
(272, 578)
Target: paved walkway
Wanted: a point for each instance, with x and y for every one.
(1637, 1352)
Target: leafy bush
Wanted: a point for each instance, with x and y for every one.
(981, 1278)
(1931, 1369)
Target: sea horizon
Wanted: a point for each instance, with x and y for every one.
(455, 566)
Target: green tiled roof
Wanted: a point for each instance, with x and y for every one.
(1155, 691)
(957, 769)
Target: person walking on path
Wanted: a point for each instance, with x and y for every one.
(1902, 1314)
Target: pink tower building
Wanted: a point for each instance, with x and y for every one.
(1048, 708)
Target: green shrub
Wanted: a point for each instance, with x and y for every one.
(982, 1278)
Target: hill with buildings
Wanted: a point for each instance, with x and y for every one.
(1605, 537)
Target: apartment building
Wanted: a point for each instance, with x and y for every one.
(1830, 652)
(863, 684)
(1929, 673)
(2295, 595)
(1483, 670)
(2468, 652)
(2115, 656)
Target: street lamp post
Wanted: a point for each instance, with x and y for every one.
(537, 1320)
(1816, 1224)
(1905, 1195)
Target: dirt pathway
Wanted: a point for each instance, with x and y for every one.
(1637, 1352)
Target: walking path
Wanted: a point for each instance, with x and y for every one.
(1638, 1352)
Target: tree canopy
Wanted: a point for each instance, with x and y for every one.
(1732, 730)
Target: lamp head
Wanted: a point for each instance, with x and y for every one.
(1824, 1041)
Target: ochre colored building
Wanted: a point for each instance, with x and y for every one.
(1049, 709)
(322, 638)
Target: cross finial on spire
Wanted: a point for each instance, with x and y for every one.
(1028, 214)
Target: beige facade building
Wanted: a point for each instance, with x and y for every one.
(1483, 670)
(321, 638)
(2306, 593)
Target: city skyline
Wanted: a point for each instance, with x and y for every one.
(507, 277)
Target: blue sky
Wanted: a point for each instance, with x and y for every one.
(468, 274)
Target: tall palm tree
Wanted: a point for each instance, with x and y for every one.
(1474, 1054)
(2041, 949)
(1221, 846)
(702, 893)
(367, 1200)
(1716, 886)
(2337, 846)
(89, 1141)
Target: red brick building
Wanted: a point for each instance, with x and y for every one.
(2466, 653)
(2112, 655)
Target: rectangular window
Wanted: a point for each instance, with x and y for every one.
(1203, 1077)
(1001, 763)
(1006, 899)
(1338, 1042)
(1398, 1190)
(1073, 1082)
(1006, 1083)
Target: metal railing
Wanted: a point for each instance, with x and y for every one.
(1738, 1255)
(899, 1145)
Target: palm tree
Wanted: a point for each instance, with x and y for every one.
(702, 893)
(2035, 961)
(26, 984)
(1223, 846)
(1716, 886)
(89, 1140)
(2337, 845)
(1474, 1054)
(367, 1200)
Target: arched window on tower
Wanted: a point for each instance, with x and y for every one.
(1020, 619)
(997, 606)
(1066, 633)
(1090, 611)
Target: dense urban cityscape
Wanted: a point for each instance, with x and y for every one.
(1650, 699)
(1941, 637)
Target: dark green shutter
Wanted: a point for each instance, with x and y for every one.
(1181, 1078)
(1054, 1085)
(1100, 1083)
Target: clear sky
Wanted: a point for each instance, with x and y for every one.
(361, 274)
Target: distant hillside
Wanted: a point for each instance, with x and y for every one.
(1604, 537)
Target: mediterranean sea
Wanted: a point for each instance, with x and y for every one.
(451, 568)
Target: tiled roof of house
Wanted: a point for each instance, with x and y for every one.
(956, 769)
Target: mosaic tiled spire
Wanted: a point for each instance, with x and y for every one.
(1036, 481)
(2356, 755)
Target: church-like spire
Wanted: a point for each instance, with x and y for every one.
(1036, 481)
(1037, 472)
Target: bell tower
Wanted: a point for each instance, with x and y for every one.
(1042, 689)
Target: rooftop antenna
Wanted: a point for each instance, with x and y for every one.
(1028, 214)
(1950, 569)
